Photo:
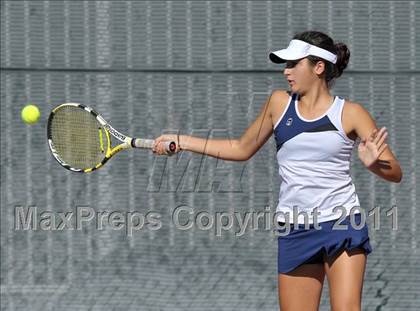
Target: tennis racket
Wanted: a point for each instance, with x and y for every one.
(80, 139)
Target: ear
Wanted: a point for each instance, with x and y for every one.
(319, 68)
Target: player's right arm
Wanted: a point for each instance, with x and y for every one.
(240, 149)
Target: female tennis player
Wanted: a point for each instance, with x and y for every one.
(315, 133)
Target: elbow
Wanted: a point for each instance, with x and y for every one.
(243, 156)
(397, 177)
(236, 156)
(246, 157)
(242, 153)
(248, 154)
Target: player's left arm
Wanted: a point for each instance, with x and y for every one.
(374, 153)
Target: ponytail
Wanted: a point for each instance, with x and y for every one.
(343, 57)
(322, 40)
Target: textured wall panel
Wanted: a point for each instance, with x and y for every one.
(198, 66)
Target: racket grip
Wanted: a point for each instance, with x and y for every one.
(170, 146)
(142, 143)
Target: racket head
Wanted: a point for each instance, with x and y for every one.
(78, 138)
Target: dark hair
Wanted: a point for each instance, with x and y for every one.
(322, 40)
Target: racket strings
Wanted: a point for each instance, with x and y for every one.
(78, 137)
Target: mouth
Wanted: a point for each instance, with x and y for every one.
(290, 82)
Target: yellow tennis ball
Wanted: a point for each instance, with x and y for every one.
(30, 114)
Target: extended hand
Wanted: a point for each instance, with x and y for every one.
(159, 147)
(372, 147)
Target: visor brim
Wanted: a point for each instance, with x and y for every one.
(282, 56)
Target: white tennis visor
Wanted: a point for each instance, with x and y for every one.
(298, 49)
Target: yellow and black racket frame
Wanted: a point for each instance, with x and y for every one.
(127, 142)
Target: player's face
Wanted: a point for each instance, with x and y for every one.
(299, 74)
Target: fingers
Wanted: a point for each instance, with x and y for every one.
(373, 135)
(156, 148)
(156, 143)
(381, 139)
(159, 144)
(160, 148)
(158, 140)
(378, 138)
(379, 135)
(382, 149)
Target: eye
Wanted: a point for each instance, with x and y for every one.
(292, 63)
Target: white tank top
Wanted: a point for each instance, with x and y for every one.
(314, 164)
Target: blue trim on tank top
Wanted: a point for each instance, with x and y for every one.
(291, 125)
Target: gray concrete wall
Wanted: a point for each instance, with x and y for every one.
(195, 66)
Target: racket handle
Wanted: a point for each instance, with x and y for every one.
(142, 143)
(170, 146)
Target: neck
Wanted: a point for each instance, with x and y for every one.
(318, 96)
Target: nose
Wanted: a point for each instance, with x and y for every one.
(286, 71)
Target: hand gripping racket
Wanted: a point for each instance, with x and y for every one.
(80, 139)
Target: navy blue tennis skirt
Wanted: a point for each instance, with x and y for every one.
(301, 246)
